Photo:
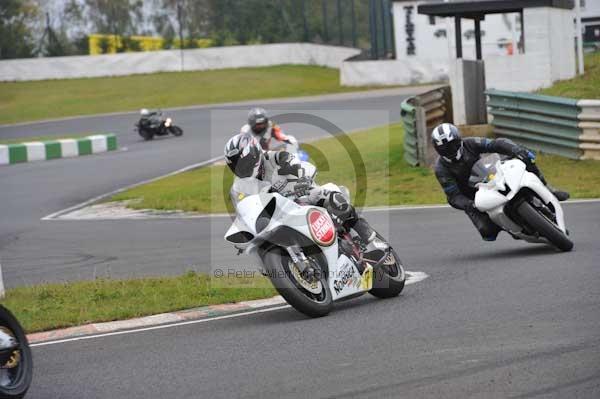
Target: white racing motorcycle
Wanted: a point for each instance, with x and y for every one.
(310, 264)
(518, 202)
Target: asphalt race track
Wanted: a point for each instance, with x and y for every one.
(493, 320)
(31, 191)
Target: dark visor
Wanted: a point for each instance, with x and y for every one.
(449, 149)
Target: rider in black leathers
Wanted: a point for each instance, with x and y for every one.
(453, 168)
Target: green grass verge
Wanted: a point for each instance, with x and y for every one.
(586, 86)
(43, 138)
(390, 181)
(51, 306)
(28, 101)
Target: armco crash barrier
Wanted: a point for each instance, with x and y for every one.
(64, 148)
(420, 114)
(555, 125)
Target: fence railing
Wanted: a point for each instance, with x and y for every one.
(420, 114)
(555, 125)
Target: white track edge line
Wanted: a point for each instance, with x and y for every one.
(119, 190)
(160, 327)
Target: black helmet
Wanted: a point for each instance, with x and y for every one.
(258, 121)
(244, 156)
(447, 141)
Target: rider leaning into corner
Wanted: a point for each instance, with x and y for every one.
(267, 133)
(453, 168)
(290, 177)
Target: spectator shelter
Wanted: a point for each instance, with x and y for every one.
(546, 51)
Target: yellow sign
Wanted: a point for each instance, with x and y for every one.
(109, 44)
(366, 282)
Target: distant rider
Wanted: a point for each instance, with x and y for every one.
(453, 168)
(150, 118)
(269, 134)
(291, 178)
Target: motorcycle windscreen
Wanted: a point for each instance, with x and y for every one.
(484, 170)
(245, 187)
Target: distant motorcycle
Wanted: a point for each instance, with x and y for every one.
(154, 124)
(518, 202)
(16, 363)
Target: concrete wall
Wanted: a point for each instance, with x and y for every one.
(393, 72)
(170, 61)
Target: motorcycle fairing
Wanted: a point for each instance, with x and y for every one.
(288, 214)
(513, 174)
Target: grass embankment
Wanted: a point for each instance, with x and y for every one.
(21, 140)
(586, 86)
(389, 180)
(28, 101)
(51, 306)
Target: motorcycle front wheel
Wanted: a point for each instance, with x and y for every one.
(545, 227)
(16, 370)
(176, 130)
(311, 298)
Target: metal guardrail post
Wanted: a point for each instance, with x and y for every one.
(589, 123)
(411, 152)
(420, 115)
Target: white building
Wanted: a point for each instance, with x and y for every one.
(425, 37)
(425, 46)
(590, 17)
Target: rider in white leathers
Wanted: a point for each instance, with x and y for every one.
(291, 178)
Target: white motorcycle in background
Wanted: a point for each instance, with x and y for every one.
(310, 264)
(518, 202)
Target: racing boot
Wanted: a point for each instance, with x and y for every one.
(559, 194)
(364, 230)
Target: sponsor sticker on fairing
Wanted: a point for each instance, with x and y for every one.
(321, 227)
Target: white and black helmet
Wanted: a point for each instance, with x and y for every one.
(447, 142)
(258, 121)
(144, 112)
(244, 155)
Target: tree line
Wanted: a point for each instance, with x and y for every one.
(29, 29)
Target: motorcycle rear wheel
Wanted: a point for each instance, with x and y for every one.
(544, 227)
(15, 381)
(277, 263)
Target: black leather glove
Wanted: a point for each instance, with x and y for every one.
(524, 155)
(303, 186)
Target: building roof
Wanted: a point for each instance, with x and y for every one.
(478, 8)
